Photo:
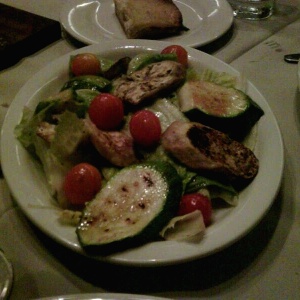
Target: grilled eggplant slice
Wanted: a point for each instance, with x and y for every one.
(204, 148)
(149, 82)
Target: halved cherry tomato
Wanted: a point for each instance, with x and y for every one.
(196, 201)
(82, 183)
(85, 64)
(145, 128)
(106, 111)
(181, 53)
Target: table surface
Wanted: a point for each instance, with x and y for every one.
(265, 264)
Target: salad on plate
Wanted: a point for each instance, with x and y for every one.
(142, 148)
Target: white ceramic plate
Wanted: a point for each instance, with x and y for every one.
(94, 21)
(27, 182)
(104, 296)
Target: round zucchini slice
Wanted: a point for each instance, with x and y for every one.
(226, 109)
(132, 208)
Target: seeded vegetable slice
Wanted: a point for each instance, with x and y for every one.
(132, 208)
(226, 109)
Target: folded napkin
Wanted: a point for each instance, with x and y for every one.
(23, 33)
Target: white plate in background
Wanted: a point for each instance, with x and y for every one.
(103, 296)
(94, 21)
(27, 182)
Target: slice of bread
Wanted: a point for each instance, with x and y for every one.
(149, 18)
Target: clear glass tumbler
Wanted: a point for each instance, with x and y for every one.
(252, 9)
(6, 276)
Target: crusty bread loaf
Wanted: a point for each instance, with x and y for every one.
(148, 18)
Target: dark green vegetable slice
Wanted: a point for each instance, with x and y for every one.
(226, 109)
(117, 69)
(85, 96)
(92, 82)
(132, 207)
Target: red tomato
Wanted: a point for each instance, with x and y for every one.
(82, 183)
(106, 111)
(145, 128)
(181, 53)
(196, 201)
(85, 64)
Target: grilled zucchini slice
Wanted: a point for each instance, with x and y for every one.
(132, 208)
(225, 109)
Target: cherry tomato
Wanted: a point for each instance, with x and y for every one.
(106, 111)
(85, 64)
(82, 183)
(181, 53)
(145, 128)
(196, 201)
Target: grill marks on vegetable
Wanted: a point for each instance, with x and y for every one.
(134, 205)
(148, 180)
(149, 81)
(199, 138)
(124, 195)
(209, 150)
(223, 149)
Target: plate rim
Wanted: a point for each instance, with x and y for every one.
(7, 134)
(224, 8)
(104, 296)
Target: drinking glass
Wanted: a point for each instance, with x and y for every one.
(6, 276)
(252, 9)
